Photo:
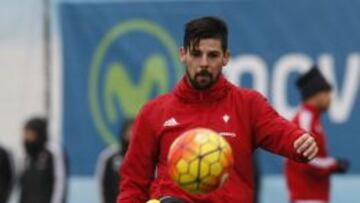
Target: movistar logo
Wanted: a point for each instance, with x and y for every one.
(135, 60)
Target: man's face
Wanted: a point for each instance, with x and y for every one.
(30, 136)
(204, 62)
(32, 143)
(128, 133)
(324, 100)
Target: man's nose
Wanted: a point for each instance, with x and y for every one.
(204, 61)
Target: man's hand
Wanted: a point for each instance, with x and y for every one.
(306, 146)
(343, 165)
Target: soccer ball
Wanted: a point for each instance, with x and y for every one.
(200, 160)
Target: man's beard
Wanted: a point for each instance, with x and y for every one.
(325, 107)
(207, 81)
(33, 148)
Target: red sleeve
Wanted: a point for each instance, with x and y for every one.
(321, 165)
(272, 132)
(137, 170)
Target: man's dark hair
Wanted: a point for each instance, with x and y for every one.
(312, 82)
(205, 28)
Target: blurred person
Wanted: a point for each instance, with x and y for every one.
(257, 179)
(204, 98)
(44, 177)
(6, 175)
(109, 163)
(310, 183)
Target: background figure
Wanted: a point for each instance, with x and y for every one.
(109, 163)
(44, 177)
(311, 181)
(257, 179)
(6, 175)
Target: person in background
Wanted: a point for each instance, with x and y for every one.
(44, 177)
(109, 163)
(6, 175)
(310, 182)
(257, 178)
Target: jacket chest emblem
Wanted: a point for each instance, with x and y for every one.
(226, 118)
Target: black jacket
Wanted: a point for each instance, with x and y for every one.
(6, 176)
(43, 180)
(108, 166)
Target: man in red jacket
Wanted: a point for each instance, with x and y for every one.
(310, 183)
(204, 98)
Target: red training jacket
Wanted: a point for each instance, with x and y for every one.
(311, 181)
(242, 116)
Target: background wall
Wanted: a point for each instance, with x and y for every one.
(22, 76)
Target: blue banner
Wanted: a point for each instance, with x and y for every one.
(119, 55)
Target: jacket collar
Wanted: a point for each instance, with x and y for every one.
(186, 93)
(312, 109)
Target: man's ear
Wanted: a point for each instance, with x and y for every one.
(182, 54)
(226, 57)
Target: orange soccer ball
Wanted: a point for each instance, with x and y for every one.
(200, 160)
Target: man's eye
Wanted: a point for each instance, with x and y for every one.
(213, 55)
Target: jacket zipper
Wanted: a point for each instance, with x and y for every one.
(201, 96)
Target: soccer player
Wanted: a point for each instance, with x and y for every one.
(310, 183)
(204, 98)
